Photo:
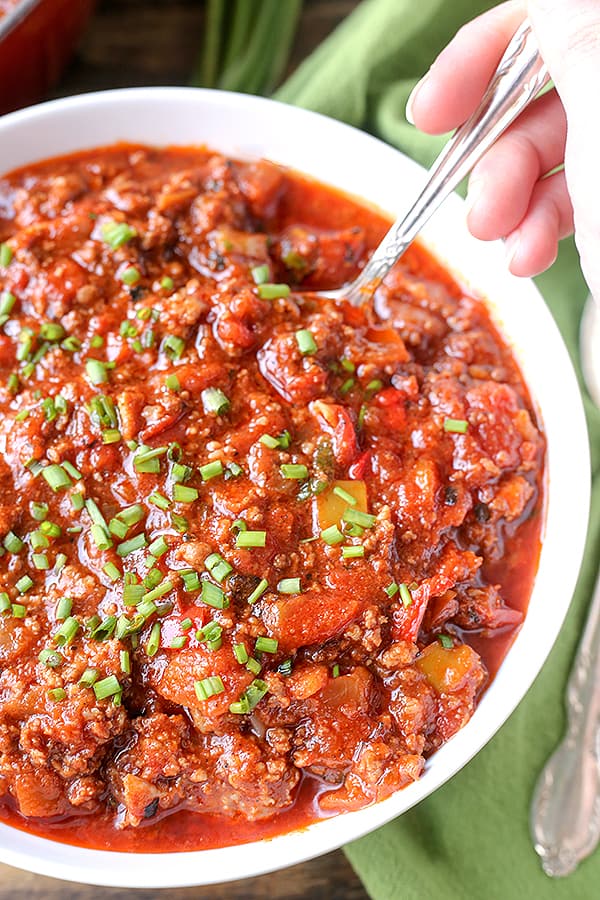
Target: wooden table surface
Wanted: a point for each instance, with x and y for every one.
(144, 42)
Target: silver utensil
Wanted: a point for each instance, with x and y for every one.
(519, 77)
(565, 811)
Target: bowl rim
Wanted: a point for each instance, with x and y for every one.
(113, 868)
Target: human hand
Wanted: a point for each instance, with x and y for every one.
(511, 195)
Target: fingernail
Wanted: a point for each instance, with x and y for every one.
(411, 100)
(511, 247)
(474, 192)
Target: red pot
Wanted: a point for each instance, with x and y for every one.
(37, 38)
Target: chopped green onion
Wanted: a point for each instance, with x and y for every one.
(67, 631)
(159, 500)
(180, 472)
(208, 687)
(268, 291)
(50, 528)
(374, 386)
(153, 578)
(112, 571)
(266, 645)
(24, 584)
(184, 494)
(159, 591)
(133, 593)
(455, 426)
(96, 371)
(89, 677)
(130, 276)
(218, 567)
(285, 668)
(255, 692)
(356, 517)
(118, 528)
(240, 653)
(131, 515)
(18, 610)
(173, 346)
(115, 234)
(253, 666)
(52, 331)
(111, 436)
(213, 596)
(125, 661)
(57, 694)
(77, 501)
(187, 624)
(172, 383)
(344, 495)
(260, 274)
(6, 255)
(269, 441)
(289, 586)
(96, 341)
(40, 561)
(12, 543)
(105, 629)
(251, 539)
(4, 602)
(239, 525)
(335, 670)
(56, 477)
(211, 470)
(191, 581)
(167, 283)
(7, 301)
(306, 342)
(405, 594)
(108, 687)
(180, 523)
(158, 547)
(355, 551)
(347, 365)
(60, 561)
(130, 546)
(233, 470)
(178, 642)
(392, 589)
(51, 658)
(332, 535)
(258, 591)
(154, 640)
(215, 401)
(101, 537)
(211, 634)
(293, 470)
(446, 641)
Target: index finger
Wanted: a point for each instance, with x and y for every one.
(451, 90)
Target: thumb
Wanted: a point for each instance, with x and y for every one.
(568, 35)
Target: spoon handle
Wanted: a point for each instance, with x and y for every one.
(519, 77)
(565, 812)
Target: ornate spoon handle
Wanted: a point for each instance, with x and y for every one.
(519, 77)
(565, 812)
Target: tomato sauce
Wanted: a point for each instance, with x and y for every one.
(262, 551)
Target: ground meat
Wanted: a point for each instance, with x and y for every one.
(247, 533)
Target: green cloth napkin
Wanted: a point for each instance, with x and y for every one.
(470, 840)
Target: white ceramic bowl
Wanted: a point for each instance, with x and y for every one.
(336, 154)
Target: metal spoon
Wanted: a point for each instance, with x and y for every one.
(565, 812)
(519, 77)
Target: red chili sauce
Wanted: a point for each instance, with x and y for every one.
(262, 552)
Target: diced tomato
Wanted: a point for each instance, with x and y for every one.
(336, 421)
(310, 618)
(361, 466)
